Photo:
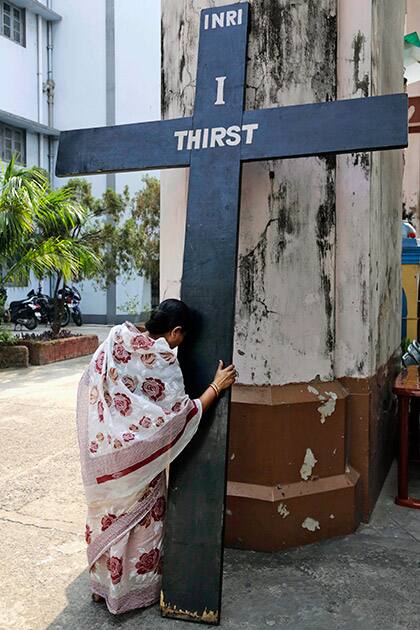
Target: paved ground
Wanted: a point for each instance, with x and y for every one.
(361, 582)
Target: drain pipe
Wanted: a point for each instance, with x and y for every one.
(49, 88)
(40, 88)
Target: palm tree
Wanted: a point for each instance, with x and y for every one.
(39, 229)
(65, 219)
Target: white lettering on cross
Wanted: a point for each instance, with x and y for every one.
(194, 139)
(205, 139)
(218, 137)
(249, 132)
(220, 98)
(218, 20)
(234, 136)
(180, 135)
(233, 18)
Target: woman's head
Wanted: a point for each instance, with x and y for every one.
(172, 319)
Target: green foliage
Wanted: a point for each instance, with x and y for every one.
(125, 230)
(40, 231)
(131, 306)
(6, 337)
(67, 234)
(404, 344)
(147, 214)
(38, 227)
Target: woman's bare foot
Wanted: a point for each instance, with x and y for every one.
(97, 598)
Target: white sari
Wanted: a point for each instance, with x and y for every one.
(134, 418)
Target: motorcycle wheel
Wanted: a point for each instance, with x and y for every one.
(65, 319)
(77, 318)
(30, 322)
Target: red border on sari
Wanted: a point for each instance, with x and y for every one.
(150, 458)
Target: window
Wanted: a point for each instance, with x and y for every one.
(12, 24)
(12, 142)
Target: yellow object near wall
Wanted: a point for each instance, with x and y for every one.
(410, 283)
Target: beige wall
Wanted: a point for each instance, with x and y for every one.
(318, 274)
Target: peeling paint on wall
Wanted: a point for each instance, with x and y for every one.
(362, 160)
(168, 610)
(287, 230)
(308, 465)
(325, 239)
(328, 408)
(282, 510)
(329, 402)
(311, 524)
(279, 261)
(301, 296)
(359, 43)
(313, 390)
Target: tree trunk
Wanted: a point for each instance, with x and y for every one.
(58, 307)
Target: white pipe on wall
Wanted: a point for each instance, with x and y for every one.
(40, 87)
(50, 95)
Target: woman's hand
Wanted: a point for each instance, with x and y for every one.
(225, 377)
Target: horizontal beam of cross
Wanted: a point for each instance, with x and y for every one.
(122, 148)
(345, 126)
(300, 130)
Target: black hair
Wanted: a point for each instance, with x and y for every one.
(169, 315)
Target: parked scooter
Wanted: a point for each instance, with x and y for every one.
(72, 299)
(38, 307)
(24, 313)
(46, 306)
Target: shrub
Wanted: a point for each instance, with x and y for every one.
(48, 335)
(7, 338)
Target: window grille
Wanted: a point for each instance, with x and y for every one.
(12, 22)
(12, 142)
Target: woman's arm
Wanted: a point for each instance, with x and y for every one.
(224, 378)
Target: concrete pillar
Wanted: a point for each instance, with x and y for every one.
(369, 207)
(318, 283)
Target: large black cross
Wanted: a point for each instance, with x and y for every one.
(214, 143)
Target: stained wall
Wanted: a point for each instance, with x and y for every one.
(318, 272)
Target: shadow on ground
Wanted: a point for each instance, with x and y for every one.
(367, 581)
(12, 377)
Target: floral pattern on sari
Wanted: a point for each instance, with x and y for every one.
(133, 419)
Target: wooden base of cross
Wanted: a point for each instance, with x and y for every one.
(214, 143)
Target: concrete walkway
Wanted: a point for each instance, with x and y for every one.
(367, 581)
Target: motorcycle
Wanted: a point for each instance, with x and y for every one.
(72, 300)
(46, 307)
(24, 313)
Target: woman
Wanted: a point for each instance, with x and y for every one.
(134, 418)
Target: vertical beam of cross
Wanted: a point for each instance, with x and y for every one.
(194, 533)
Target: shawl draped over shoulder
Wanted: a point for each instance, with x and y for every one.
(134, 416)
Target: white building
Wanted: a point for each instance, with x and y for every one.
(67, 64)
